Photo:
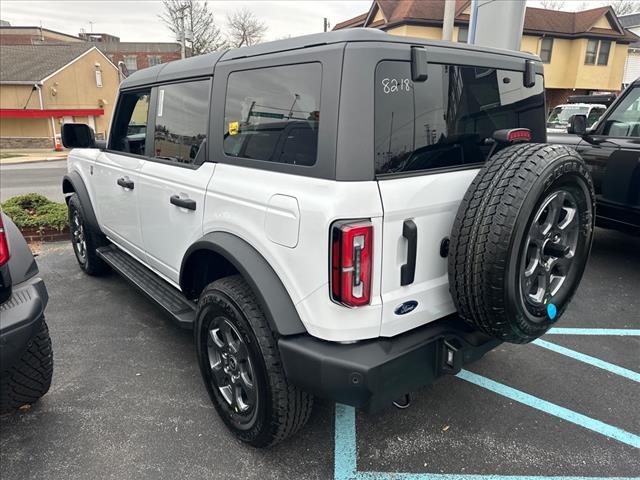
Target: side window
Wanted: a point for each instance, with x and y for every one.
(272, 114)
(624, 121)
(129, 131)
(182, 118)
(445, 121)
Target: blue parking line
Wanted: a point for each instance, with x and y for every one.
(616, 332)
(552, 409)
(596, 362)
(345, 454)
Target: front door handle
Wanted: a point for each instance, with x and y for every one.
(187, 203)
(125, 183)
(408, 270)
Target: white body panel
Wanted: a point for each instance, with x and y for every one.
(232, 206)
(168, 230)
(116, 206)
(431, 201)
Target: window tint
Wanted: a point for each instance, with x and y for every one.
(592, 49)
(273, 113)
(446, 121)
(603, 54)
(546, 47)
(182, 117)
(129, 131)
(624, 121)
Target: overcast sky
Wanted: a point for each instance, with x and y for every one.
(138, 20)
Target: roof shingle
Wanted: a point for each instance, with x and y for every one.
(32, 63)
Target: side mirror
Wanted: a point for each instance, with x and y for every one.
(577, 125)
(78, 135)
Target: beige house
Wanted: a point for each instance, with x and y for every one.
(583, 52)
(44, 86)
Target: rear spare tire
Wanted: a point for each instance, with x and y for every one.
(521, 239)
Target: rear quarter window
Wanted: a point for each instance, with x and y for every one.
(445, 121)
(272, 114)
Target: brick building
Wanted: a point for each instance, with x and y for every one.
(135, 55)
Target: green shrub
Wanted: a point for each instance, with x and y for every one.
(33, 210)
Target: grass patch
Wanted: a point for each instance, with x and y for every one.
(33, 210)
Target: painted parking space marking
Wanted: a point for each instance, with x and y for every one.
(616, 332)
(552, 409)
(345, 455)
(596, 362)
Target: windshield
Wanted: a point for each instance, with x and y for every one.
(563, 113)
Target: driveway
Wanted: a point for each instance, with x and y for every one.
(127, 400)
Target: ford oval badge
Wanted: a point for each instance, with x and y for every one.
(406, 307)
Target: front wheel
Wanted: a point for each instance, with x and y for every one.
(85, 239)
(241, 367)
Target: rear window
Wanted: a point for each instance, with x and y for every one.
(445, 121)
(272, 114)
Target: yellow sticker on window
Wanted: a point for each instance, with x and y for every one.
(233, 128)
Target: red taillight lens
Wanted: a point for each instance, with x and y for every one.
(4, 246)
(519, 135)
(351, 257)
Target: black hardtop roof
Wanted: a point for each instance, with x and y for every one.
(203, 65)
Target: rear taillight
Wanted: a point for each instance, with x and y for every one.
(518, 135)
(4, 246)
(351, 257)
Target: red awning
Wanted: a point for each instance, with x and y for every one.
(56, 112)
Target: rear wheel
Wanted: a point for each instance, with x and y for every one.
(521, 240)
(241, 367)
(29, 378)
(85, 239)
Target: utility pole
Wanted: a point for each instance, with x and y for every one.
(326, 24)
(447, 22)
(183, 50)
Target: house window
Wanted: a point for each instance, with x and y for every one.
(154, 60)
(592, 50)
(546, 46)
(131, 62)
(603, 54)
(463, 35)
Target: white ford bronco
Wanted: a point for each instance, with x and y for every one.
(348, 215)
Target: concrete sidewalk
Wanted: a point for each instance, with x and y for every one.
(30, 155)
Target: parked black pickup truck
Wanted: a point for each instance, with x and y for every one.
(611, 149)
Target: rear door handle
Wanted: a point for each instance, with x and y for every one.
(125, 183)
(187, 203)
(408, 270)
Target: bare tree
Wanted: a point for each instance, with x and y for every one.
(244, 28)
(206, 36)
(625, 7)
(552, 4)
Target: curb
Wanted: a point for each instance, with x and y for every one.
(35, 160)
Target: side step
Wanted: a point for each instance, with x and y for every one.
(157, 289)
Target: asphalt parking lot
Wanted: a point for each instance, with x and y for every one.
(127, 399)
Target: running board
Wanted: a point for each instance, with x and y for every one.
(157, 289)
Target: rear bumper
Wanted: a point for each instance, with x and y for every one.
(371, 374)
(20, 318)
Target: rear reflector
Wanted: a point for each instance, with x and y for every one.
(4, 246)
(351, 257)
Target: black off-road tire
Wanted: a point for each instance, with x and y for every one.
(282, 409)
(29, 377)
(89, 262)
(491, 236)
